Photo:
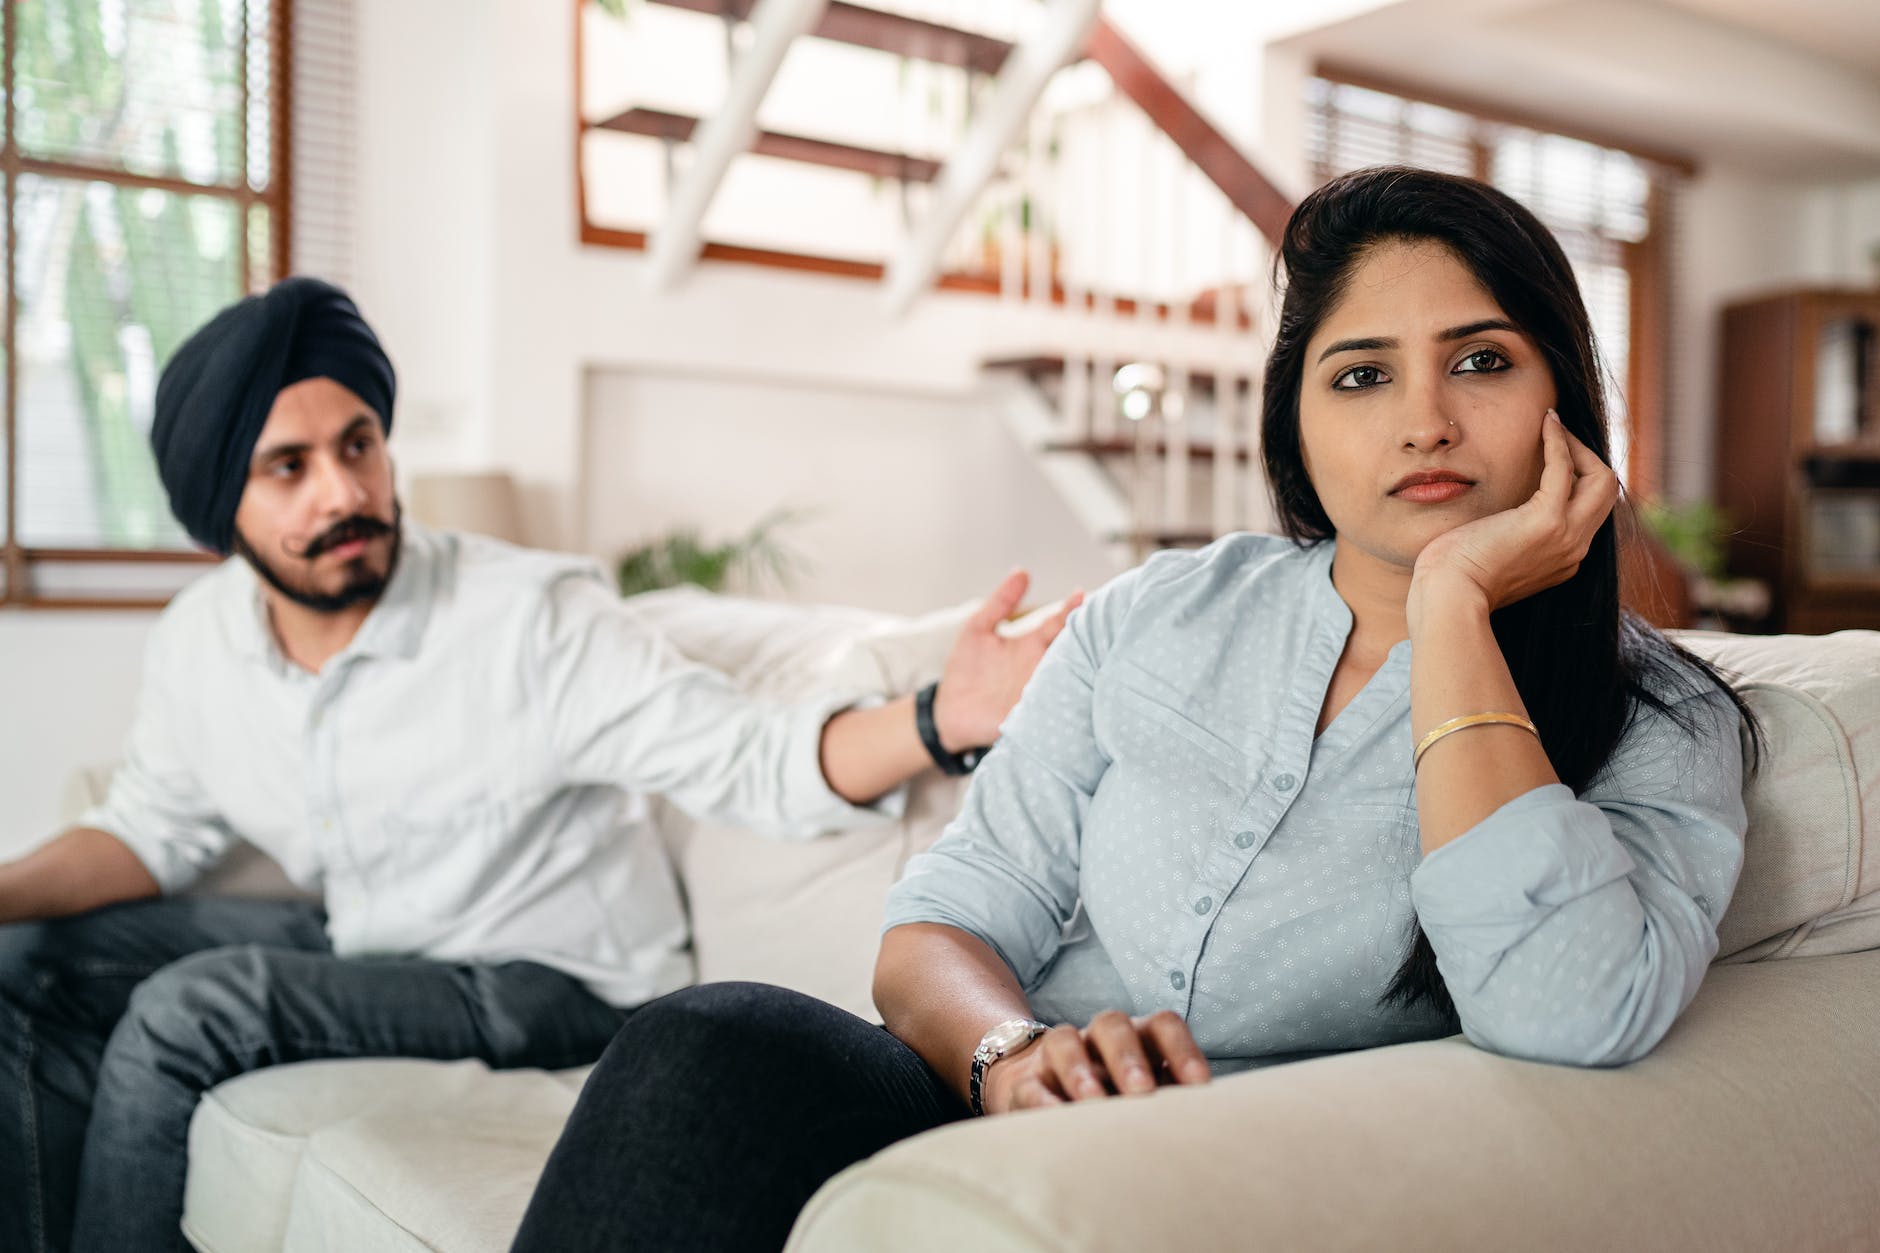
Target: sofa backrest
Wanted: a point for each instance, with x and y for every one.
(809, 915)
(1811, 867)
(806, 915)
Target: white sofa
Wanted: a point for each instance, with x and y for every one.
(1754, 1126)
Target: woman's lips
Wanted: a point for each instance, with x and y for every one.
(1433, 493)
(1432, 486)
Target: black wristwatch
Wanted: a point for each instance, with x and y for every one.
(950, 763)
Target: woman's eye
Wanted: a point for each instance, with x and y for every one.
(1483, 361)
(1359, 377)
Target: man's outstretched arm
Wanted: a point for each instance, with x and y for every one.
(869, 752)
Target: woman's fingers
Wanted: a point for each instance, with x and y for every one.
(1113, 1038)
(1556, 485)
(1169, 1039)
(1033, 1092)
(1067, 1059)
(1595, 487)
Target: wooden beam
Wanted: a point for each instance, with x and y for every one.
(775, 25)
(873, 162)
(1245, 187)
(884, 32)
(1066, 25)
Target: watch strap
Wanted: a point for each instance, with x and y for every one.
(954, 764)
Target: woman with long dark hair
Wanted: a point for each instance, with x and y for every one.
(1405, 768)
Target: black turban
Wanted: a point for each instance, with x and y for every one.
(215, 393)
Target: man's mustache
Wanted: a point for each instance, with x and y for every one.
(345, 531)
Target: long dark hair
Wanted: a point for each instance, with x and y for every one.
(1583, 665)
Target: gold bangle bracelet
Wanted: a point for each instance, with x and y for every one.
(1464, 723)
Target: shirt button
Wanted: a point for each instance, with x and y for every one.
(1244, 840)
(1203, 905)
(1177, 980)
(1284, 782)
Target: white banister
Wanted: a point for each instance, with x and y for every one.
(674, 246)
(1020, 83)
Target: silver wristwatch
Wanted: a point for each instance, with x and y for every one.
(1007, 1037)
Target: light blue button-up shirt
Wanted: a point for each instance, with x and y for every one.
(1160, 828)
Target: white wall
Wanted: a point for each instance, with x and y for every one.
(916, 500)
(71, 683)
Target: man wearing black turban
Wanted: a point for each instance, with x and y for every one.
(437, 733)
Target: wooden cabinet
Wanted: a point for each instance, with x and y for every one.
(1798, 454)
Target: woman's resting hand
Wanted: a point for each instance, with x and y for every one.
(1511, 555)
(1114, 1055)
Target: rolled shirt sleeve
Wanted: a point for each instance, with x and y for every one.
(1006, 870)
(1576, 929)
(156, 806)
(623, 707)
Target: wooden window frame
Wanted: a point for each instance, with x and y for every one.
(1647, 262)
(16, 559)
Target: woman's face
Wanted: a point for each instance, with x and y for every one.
(1417, 371)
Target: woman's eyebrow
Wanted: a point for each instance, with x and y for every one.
(1377, 343)
(1476, 328)
(1355, 345)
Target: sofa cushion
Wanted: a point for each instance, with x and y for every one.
(445, 1179)
(808, 915)
(250, 1136)
(1811, 876)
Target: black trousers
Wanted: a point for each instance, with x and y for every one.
(714, 1115)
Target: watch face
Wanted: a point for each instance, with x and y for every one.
(1006, 1036)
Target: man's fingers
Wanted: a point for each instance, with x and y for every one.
(1048, 630)
(1169, 1038)
(1004, 599)
(1113, 1038)
(1068, 1061)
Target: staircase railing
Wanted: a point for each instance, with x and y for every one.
(1129, 238)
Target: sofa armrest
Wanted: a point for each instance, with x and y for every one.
(1753, 1126)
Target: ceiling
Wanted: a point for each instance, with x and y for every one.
(1788, 89)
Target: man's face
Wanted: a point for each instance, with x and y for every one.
(318, 519)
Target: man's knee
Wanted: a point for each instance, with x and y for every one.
(201, 1012)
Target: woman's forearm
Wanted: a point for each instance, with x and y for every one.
(939, 990)
(1456, 669)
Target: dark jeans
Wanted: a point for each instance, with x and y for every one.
(114, 1023)
(713, 1116)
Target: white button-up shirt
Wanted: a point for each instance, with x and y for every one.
(465, 781)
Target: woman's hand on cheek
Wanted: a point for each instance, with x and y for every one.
(1513, 554)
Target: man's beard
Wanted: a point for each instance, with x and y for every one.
(363, 584)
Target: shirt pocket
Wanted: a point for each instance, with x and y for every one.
(1385, 835)
(441, 867)
(1138, 729)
